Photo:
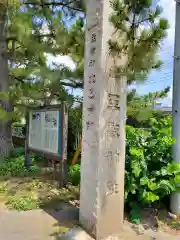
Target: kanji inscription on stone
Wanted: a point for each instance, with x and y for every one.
(92, 78)
(113, 129)
(114, 101)
(112, 188)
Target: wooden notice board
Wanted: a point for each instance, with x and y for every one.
(46, 133)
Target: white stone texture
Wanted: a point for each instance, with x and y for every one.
(103, 145)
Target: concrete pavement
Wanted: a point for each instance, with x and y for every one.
(47, 225)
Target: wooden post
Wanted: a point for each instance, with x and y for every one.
(63, 160)
(27, 151)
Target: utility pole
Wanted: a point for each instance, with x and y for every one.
(175, 198)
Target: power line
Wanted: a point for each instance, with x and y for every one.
(160, 80)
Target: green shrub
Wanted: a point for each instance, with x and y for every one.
(14, 165)
(34, 169)
(150, 174)
(37, 158)
(21, 126)
(74, 128)
(74, 174)
(17, 124)
(17, 152)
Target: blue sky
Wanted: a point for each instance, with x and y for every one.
(160, 79)
(157, 80)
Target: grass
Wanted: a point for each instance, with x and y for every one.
(30, 193)
(167, 222)
(24, 190)
(3, 187)
(22, 203)
(62, 227)
(175, 224)
(35, 192)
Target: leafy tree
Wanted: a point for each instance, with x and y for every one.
(34, 28)
(143, 30)
(150, 173)
(5, 129)
(141, 108)
(28, 32)
(140, 43)
(134, 39)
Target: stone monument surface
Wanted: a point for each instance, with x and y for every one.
(103, 142)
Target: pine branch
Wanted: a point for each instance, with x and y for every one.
(55, 4)
(73, 84)
(21, 78)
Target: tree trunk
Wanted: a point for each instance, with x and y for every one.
(5, 126)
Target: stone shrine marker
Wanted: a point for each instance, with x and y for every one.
(103, 146)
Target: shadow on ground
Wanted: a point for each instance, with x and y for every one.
(66, 216)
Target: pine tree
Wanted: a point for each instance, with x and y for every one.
(139, 33)
(25, 42)
(142, 29)
(48, 34)
(141, 108)
(5, 129)
(37, 27)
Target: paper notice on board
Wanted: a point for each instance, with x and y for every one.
(51, 119)
(51, 131)
(44, 131)
(35, 130)
(50, 140)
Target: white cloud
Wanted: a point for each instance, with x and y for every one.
(169, 10)
(66, 60)
(45, 29)
(169, 14)
(58, 59)
(170, 94)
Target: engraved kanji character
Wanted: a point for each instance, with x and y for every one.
(92, 63)
(93, 37)
(89, 124)
(92, 78)
(91, 108)
(93, 50)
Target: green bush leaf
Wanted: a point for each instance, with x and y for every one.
(150, 172)
(144, 181)
(150, 197)
(74, 174)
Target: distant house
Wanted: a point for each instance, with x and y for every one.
(166, 109)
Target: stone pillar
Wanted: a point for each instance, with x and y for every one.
(103, 144)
